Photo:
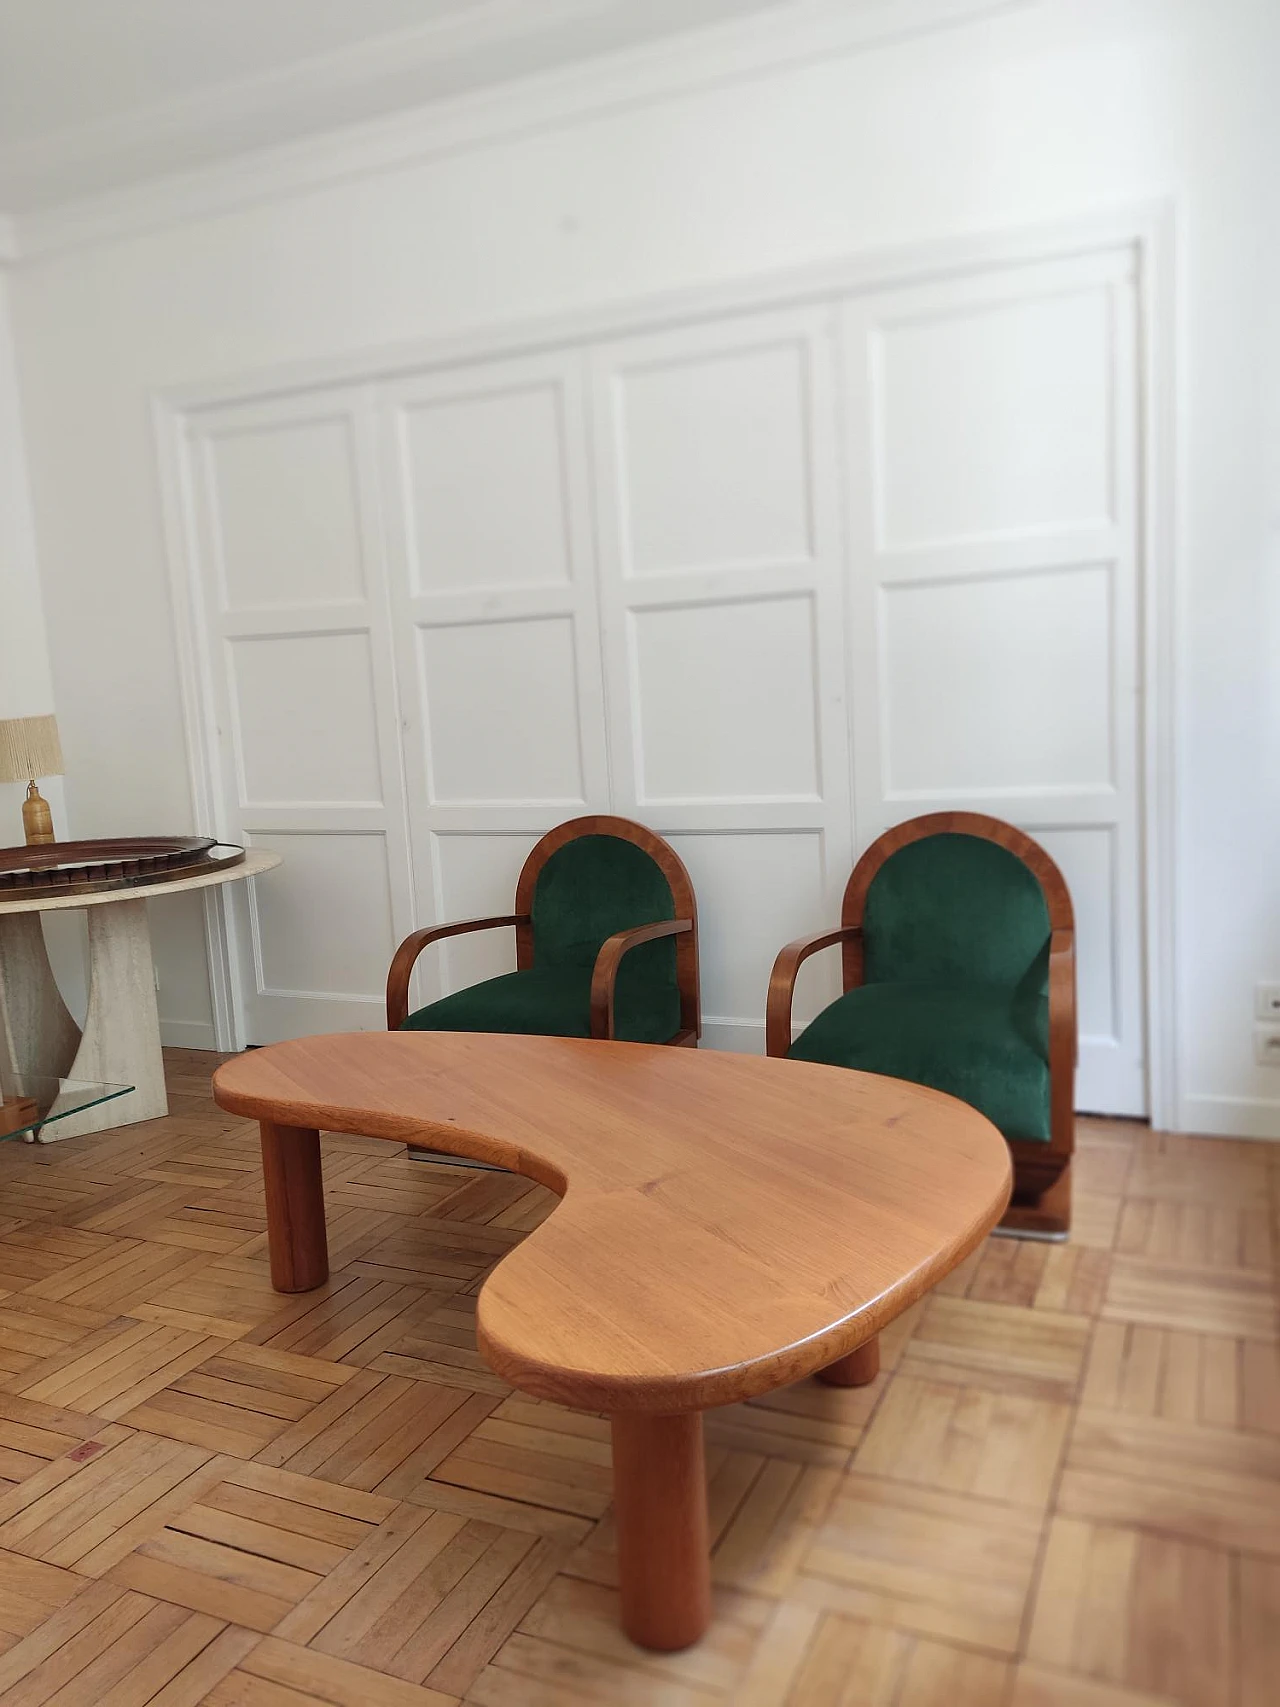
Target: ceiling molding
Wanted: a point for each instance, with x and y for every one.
(217, 110)
(787, 35)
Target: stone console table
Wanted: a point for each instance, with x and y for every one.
(120, 1042)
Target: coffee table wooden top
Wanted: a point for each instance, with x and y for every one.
(730, 1223)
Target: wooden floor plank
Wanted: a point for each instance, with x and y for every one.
(1141, 1612)
(924, 1561)
(1037, 1353)
(1002, 1446)
(1237, 1302)
(1219, 1486)
(1060, 1491)
(322, 1677)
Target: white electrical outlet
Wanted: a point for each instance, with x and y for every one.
(1266, 1001)
(1266, 1045)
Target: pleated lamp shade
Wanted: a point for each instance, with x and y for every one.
(29, 748)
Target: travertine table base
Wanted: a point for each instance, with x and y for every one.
(120, 1041)
(730, 1224)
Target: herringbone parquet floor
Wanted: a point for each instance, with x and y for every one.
(1062, 1491)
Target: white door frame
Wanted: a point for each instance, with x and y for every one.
(1148, 228)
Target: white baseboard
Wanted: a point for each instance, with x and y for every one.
(187, 1034)
(1230, 1117)
(737, 1036)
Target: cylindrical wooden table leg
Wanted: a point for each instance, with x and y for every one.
(855, 1370)
(295, 1207)
(660, 1507)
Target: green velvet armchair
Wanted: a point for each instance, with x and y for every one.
(958, 947)
(606, 945)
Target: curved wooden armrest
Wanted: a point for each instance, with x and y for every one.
(782, 983)
(1064, 1037)
(412, 946)
(604, 977)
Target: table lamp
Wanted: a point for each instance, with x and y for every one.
(29, 747)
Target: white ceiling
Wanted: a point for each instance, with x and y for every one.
(95, 94)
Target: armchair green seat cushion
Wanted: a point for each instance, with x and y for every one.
(588, 889)
(552, 1002)
(986, 1044)
(955, 945)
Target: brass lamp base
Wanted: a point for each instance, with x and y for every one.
(37, 820)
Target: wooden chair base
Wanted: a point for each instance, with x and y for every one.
(858, 1369)
(1047, 1216)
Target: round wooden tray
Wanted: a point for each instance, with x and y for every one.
(118, 862)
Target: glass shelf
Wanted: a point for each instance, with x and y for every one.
(29, 1101)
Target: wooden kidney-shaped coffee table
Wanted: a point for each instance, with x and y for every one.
(729, 1225)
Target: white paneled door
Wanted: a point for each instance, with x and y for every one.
(494, 597)
(991, 467)
(769, 581)
(298, 664)
(716, 463)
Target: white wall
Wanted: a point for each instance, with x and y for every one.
(26, 679)
(1049, 112)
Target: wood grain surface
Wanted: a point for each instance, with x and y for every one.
(729, 1223)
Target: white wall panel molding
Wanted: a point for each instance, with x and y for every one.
(296, 966)
(722, 579)
(502, 720)
(1035, 552)
(487, 504)
(294, 473)
(995, 665)
(998, 685)
(292, 691)
(753, 46)
(722, 697)
(1005, 340)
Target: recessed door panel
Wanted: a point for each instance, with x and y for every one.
(502, 713)
(998, 683)
(715, 458)
(993, 417)
(709, 729)
(486, 488)
(287, 509)
(306, 720)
